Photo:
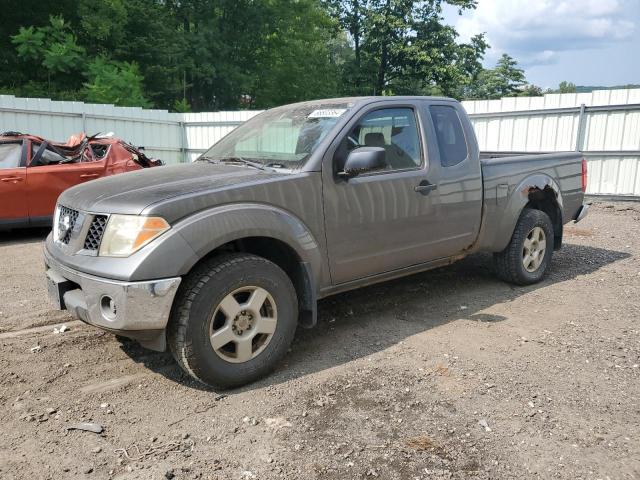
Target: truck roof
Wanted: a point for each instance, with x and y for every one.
(368, 99)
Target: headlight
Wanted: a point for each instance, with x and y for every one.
(126, 234)
(56, 223)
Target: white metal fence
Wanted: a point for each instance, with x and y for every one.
(202, 130)
(604, 124)
(160, 132)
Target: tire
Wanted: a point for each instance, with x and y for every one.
(510, 263)
(224, 284)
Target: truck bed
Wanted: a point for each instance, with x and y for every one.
(509, 178)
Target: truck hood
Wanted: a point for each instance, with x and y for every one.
(131, 193)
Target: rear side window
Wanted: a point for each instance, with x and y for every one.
(10, 155)
(451, 141)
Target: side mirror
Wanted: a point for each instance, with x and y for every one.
(364, 159)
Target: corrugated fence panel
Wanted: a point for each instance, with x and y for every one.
(526, 134)
(615, 175)
(604, 124)
(33, 116)
(606, 128)
(158, 131)
(204, 129)
(631, 135)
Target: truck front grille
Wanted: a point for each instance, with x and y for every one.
(96, 230)
(66, 222)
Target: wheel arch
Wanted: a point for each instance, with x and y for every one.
(540, 192)
(265, 231)
(546, 200)
(286, 257)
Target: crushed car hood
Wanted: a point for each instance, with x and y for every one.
(132, 193)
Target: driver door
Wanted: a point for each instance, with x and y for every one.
(380, 221)
(13, 176)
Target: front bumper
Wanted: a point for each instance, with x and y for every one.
(139, 310)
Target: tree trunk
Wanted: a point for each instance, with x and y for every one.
(356, 30)
(384, 53)
(382, 70)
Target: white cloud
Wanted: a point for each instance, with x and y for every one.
(535, 31)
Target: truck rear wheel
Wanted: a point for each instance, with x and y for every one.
(526, 258)
(233, 320)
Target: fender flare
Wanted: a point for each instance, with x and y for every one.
(519, 198)
(192, 238)
(196, 236)
(236, 221)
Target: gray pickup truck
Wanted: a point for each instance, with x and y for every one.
(221, 259)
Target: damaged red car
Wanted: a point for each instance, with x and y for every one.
(35, 171)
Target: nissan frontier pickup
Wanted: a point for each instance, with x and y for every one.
(219, 260)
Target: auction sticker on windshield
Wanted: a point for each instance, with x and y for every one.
(327, 113)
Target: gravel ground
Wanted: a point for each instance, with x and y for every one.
(446, 374)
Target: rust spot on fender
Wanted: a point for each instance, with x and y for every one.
(535, 193)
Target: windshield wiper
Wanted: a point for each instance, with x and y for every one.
(276, 165)
(235, 159)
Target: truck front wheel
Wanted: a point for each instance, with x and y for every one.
(233, 320)
(528, 255)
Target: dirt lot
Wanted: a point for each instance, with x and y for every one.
(446, 374)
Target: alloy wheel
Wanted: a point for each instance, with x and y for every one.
(243, 324)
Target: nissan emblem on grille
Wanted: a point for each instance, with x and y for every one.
(65, 226)
(66, 222)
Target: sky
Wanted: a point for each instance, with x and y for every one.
(587, 42)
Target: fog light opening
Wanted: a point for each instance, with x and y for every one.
(108, 307)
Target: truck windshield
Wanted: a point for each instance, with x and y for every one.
(280, 138)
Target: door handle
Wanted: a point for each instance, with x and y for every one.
(89, 175)
(425, 187)
(12, 179)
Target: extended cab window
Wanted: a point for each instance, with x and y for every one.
(451, 140)
(10, 154)
(393, 129)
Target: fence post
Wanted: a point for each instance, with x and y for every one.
(183, 140)
(582, 123)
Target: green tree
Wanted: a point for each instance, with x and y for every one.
(230, 54)
(403, 46)
(505, 80)
(351, 18)
(566, 87)
(509, 74)
(294, 53)
(256, 53)
(530, 91)
(152, 37)
(119, 83)
(17, 75)
(181, 106)
(54, 49)
(103, 22)
(29, 43)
